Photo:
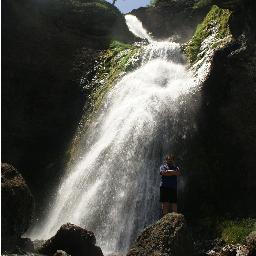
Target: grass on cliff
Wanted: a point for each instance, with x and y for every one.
(115, 61)
(216, 19)
(230, 231)
(235, 231)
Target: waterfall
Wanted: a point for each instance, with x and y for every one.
(113, 189)
(136, 27)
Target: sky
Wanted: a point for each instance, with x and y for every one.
(128, 5)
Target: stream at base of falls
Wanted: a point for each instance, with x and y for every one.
(113, 189)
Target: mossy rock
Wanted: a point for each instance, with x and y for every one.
(117, 60)
(215, 23)
(236, 231)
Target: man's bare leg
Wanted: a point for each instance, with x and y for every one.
(174, 207)
(165, 207)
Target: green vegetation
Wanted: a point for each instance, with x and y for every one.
(114, 62)
(230, 231)
(236, 231)
(215, 23)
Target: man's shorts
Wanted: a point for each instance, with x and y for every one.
(168, 195)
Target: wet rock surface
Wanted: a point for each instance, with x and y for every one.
(17, 210)
(73, 240)
(168, 236)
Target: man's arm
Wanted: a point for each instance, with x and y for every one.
(170, 173)
(175, 172)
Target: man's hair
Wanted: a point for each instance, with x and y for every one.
(169, 156)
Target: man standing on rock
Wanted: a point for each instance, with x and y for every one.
(168, 187)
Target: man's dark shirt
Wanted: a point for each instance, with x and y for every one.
(168, 181)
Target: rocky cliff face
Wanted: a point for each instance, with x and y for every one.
(49, 50)
(222, 155)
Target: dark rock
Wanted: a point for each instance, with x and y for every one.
(26, 244)
(17, 209)
(243, 17)
(228, 114)
(251, 243)
(230, 250)
(38, 244)
(168, 236)
(61, 253)
(203, 245)
(74, 240)
(231, 4)
(221, 153)
(176, 19)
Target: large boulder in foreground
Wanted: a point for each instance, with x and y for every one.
(168, 236)
(72, 239)
(17, 207)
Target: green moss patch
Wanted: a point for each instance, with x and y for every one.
(235, 231)
(113, 64)
(216, 24)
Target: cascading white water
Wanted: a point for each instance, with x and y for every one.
(113, 188)
(135, 26)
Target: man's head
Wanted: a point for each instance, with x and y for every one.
(169, 158)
